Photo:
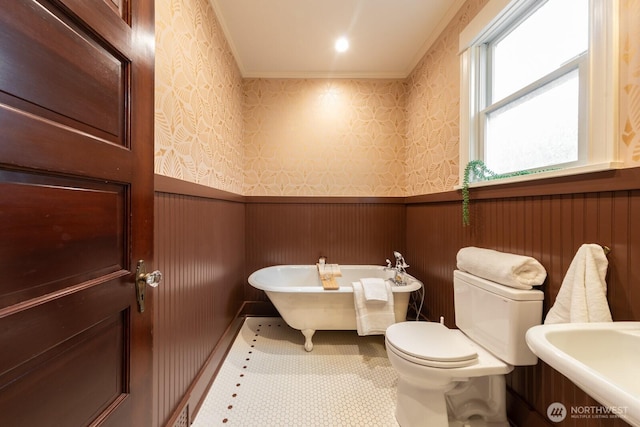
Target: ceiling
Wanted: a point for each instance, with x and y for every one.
(295, 38)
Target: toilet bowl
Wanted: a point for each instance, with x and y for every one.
(445, 376)
(437, 385)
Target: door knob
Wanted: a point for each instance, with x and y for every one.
(153, 279)
(143, 279)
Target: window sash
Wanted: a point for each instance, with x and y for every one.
(517, 19)
(537, 144)
(600, 111)
(579, 62)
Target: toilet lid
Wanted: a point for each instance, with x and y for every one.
(430, 341)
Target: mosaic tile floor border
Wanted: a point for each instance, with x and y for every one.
(268, 379)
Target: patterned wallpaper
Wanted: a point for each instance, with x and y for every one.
(433, 97)
(433, 111)
(630, 82)
(324, 137)
(317, 137)
(198, 98)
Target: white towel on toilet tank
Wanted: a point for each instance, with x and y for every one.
(583, 293)
(372, 317)
(516, 271)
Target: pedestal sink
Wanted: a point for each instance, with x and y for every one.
(603, 359)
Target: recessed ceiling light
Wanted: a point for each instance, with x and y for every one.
(342, 44)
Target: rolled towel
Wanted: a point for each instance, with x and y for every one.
(375, 289)
(516, 271)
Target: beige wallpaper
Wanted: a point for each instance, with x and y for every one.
(433, 111)
(433, 96)
(198, 98)
(325, 137)
(630, 82)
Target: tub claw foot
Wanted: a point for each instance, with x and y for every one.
(308, 334)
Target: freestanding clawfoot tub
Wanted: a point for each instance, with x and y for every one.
(297, 293)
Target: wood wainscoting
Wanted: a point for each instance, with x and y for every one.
(298, 230)
(548, 220)
(209, 241)
(199, 247)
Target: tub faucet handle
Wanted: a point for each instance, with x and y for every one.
(322, 260)
(400, 262)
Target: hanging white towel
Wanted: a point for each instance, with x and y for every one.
(516, 271)
(375, 289)
(583, 293)
(372, 318)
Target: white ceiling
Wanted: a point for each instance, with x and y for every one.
(295, 38)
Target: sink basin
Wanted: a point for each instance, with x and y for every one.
(603, 359)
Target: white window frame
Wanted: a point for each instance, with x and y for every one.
(602, 86)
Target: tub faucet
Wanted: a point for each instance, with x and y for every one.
(399, 269)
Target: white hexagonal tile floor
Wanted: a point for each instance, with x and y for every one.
(268, 379)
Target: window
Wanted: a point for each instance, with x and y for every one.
(539, 86)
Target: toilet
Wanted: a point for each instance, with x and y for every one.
(456, 377)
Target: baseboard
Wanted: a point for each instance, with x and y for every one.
(201, 385)
(196, 393)
(259, 308)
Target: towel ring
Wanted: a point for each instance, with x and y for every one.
(606, 249)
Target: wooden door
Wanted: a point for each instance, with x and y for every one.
(76, 211)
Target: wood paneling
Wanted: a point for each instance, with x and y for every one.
(549, 227)
(76, 204)
(52, 54)
(120, 7)
(299, 233)
(78, 225)
(82, 356)
(199, 247)
(432, 243)
(547, 221)
(95, 362)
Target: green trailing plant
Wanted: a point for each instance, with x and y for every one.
(476, 170)
(479, 171)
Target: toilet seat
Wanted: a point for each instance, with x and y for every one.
(430, 344)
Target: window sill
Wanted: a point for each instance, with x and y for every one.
(599, 167)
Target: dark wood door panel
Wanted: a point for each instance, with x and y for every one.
(71, 383)
(120, 7)
(76, 200)
(36, 142)
(39, 329)
(56, 81)
(57, 232)
(107, 17)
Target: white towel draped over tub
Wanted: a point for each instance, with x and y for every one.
(583, 293)
(373, 317)
(516, 271)
(375, 289)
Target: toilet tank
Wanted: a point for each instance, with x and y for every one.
(497, 316)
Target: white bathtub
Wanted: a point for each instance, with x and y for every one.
(297, 293)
